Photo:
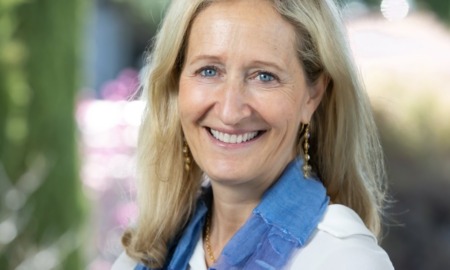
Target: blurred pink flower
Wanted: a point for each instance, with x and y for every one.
(108, 137)
(123, 87)
(126, 213)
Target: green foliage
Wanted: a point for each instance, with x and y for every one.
(39, 43)
(14, 90)
(440, 7)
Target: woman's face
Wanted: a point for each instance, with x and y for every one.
(243, 93)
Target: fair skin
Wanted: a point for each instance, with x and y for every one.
(242, 98)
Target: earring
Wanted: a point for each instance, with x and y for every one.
(306, 167)
(187, 159)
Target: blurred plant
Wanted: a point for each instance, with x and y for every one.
(16, 213)
(15, 91)
(41, 210)
(440, 7)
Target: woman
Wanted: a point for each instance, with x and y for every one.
(259, 99)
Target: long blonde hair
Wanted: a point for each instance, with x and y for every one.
(345, 152)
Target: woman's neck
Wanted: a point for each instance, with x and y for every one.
(231, 207)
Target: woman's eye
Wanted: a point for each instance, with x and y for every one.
(266, 77)
(208, 72)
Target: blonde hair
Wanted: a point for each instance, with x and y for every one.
(345, 151)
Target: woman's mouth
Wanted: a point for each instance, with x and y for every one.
(234, 138)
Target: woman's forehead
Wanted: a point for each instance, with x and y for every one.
(238, 25)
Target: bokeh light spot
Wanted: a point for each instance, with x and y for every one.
(8, 232)
(394, 10)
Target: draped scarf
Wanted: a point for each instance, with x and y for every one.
(281, 223)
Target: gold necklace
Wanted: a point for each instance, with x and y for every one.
(207, 239)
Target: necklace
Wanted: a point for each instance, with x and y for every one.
(207, 239)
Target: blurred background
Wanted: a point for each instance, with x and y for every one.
(68, 125)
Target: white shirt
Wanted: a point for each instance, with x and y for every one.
(340, 242)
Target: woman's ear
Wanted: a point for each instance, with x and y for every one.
(315, 92)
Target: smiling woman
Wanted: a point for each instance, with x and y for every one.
(259, 101)
(238, 80)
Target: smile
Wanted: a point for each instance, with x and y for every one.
(233, 138)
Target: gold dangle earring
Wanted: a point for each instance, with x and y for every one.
(306, 167)
(187, 159)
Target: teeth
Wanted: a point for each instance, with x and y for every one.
(233, 138)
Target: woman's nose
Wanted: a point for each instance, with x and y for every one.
(233, 103)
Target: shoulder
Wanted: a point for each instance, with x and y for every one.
(124, 262)
(341, 241)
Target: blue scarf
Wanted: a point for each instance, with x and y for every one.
(283, 222)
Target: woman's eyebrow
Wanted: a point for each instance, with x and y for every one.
(205, 57)
(271, 64)
(216, 58)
